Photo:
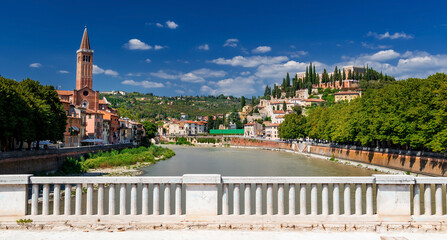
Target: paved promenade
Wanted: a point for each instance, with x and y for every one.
(217, 235)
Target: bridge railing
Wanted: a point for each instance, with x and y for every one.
(298, 195)
(375, 198)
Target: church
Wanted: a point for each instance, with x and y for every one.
(90, 119)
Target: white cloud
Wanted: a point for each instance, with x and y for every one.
(63, 71)
(196, 76)
(159, 25)
(110, 72)
(262, 49)
(250, 61)
(387, 35)
(205, 72)
(148, 60)
(164, 75)
(35, 65)
(171, 24)
(373, 46)
(192, 78)
(204, 47)
(136, 44)
(158, 47)
(278, 71)
(297, 54)
(245, 73)
(245, 85)
(97, 70)
(144, 84)
(231, 42)
(180, 91)
(381, 56)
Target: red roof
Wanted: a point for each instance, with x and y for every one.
(249, 124)
(278, 112)
(313, 100)
(272, 125)
(64, 92)
(346, 93)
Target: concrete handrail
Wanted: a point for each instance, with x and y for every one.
(329, 196)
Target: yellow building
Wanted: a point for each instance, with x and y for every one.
(346, 96)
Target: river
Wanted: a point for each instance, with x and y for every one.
(247, 162)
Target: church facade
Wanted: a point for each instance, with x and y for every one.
(99, 122)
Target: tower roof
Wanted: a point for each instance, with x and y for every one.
(85, 44)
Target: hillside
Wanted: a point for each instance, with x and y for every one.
(147, 106)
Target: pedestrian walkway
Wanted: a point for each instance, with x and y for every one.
(215, 235)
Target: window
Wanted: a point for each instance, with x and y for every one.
(89, 116)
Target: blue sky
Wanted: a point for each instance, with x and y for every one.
(207, 47)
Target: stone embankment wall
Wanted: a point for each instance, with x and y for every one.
(415, 164)
(247, 142)
(46, 160)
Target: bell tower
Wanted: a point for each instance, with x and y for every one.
(84, 67)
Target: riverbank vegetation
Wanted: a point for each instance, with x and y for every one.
(406, 114)
(115, 158)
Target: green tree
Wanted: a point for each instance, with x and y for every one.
(293, 127)
(242, 101)
(284, 106)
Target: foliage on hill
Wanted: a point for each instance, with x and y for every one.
(29, 111)
(370, 79)
(410, 113)
(146, 106)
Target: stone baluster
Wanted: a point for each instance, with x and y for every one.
(145, 199)
(280, 199)
(269, 199)
(100, 199)
(133, 199)
(57, 199)
(258, 199)
(112, 199)
(325, 199)
(369, 199)
(347, 199)
(167, 198)
(123, 199)
(303, 199)
(46, 199)
(313, 199)
(78, 206)
(292, 210)
(89, 199)
(67, 201)
(236, 199)
(336, 199)
(178, 199)
(247, 199)
(358, 199)
(225, 202)
(156, 198)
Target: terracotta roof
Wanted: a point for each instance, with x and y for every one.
(346, 93)
(280, 116)
(64, 101)
(278, 112)
(64, 92)
(272, 125)
(249, 124)
(313, 100)
(85, 44)
(102, 101)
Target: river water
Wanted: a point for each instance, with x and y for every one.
(248, 162)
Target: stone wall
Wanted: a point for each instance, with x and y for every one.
(416, 164)
(45, 160)
(247, 142)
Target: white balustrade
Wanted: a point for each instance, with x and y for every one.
(258, 193)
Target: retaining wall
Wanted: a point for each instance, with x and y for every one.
(415, 164)
(46, 160)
